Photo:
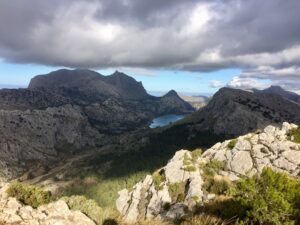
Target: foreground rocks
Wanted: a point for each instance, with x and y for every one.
(178, 188)
(13, 212)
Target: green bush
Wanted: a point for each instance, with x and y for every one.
(29, 194)
(232, 143)
(213, 167)
(294, 135)
(271, 198)
(196, 153)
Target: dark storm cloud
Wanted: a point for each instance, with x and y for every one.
(195, 35)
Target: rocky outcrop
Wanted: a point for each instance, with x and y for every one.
(14, 212)
(176, 189)
(252, 152)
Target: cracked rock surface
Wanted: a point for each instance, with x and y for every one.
(176, 189)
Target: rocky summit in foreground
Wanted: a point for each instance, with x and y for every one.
(13, 212)
(176, 189)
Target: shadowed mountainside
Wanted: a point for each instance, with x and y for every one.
(230, 113)
(277, 90)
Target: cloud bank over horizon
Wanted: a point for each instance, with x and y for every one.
(259, 37)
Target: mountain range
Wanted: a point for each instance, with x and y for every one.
(67, 111)
(230, 113)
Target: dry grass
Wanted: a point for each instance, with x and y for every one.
(206, 220)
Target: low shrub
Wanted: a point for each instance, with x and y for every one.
(186, 160)
(29, 194)
(196, 153)
(271, 198)
(213, 167)
(294, 135)
(232, 144)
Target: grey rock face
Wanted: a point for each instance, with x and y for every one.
(250, 154)
(41, 136)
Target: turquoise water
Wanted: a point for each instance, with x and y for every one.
(165, 120)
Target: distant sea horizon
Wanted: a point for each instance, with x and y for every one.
(11, 86)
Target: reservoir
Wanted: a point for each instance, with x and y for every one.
(165, 120)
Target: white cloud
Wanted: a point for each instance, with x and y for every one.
(139, 71)
(216, 84)
(246, 83)
(202, 35)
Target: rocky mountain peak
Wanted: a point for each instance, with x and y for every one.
(275, 87)
(180, 185)
(91, 83)
(171, 93)
(279, 91)
(127, 86)
(173, 99)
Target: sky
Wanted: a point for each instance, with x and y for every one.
(192, 46)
